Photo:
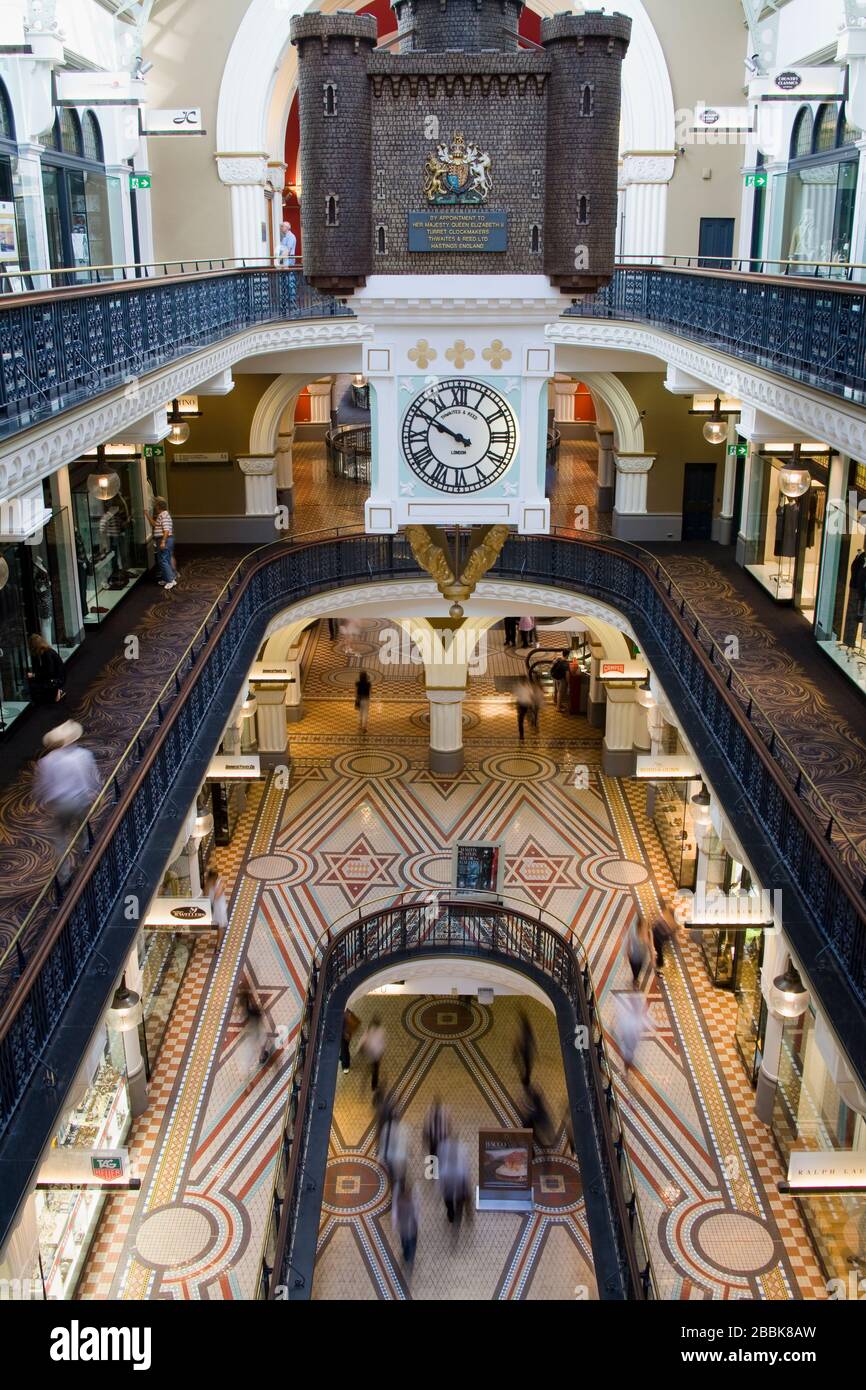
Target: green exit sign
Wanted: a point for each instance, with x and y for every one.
(756, 180)
(139, 181)
(741, 450)
(154, 451)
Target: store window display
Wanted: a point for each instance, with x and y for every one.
(785, 524)
(110, 532)
(83, 207)
(814, 199)
(841, 623)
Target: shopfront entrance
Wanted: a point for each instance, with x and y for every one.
(786, 527)
(111, 529)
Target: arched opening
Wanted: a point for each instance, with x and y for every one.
(586, 100)
(330, 98)
(583, 209)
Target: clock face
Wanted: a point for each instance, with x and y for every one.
(459, 435)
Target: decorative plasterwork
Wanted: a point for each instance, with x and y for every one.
(646, 168)
(242, 168)
(634, 463)
(256, 467)
(36, 455)
(817, 415)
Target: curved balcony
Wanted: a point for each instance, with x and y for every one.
(56, 974)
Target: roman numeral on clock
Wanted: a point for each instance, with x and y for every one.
(499, 436)
(459, 393)
(438, 476)
(422, 456)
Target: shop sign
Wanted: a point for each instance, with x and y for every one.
(676, 768)
(725, 119)
(68, 1166)
(185, 120)
(800, 83)
(201, 458)
(8, 233)
(137, 182)
(96, 89)
(822, 1170)
(179, 913)
(239, 768)
(187, 405)
(622, 671)
(269, 672)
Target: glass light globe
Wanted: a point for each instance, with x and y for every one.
(789, 997)
(793, 482)
(103, 485)
(179, 432)
(716, 431)
(4, 573)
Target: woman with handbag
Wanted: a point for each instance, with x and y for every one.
(47, 675)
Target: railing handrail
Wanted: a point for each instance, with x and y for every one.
(190, 267)
(649, 562)
(314, 1001)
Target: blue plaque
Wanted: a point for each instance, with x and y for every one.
(452, 229)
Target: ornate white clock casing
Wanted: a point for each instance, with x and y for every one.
(458, 398)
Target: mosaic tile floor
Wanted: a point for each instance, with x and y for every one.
(363, 820)
(503, 1255)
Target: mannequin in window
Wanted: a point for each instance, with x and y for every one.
(42, 591)
(787, 528)
(112, 529)
(803, 242)
(854, 613)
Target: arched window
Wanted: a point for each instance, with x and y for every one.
(92, 138)
(535, 240)
(381, 241)
(329, 97)
(332, 210)
(586, 99)
(583, 209)
(7, 121)
(801, 136)
(848, 133)
(826, 122)
(69, 130)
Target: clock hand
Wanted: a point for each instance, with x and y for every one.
(443, 429)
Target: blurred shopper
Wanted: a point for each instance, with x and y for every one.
(372, 1044)
(216, 893)
(559, 673)
(535, 1114)
(527, 630)
(363, 689)
(47, 674)
(524, 699)
(404, 1218)
(525, 1049)
(454, 1178)
(637, 950)
(511, 632)
(632, 1026)
(351, 1023)
(67, 781)
(662, 933)
(394, 1149)
(436, 1127)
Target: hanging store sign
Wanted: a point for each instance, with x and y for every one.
(674, 768)
(724, 119)
(200, 458)
(179, 914)
(70, 1166)
(800, 84)
(836, 1170)
(188, 405)
(241, 768)
(96, 89)
(622, 671)
(186, 120)
(272, 673)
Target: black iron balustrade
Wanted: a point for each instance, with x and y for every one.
(349, 450)
(466, 928)
(58, 349)
(811, 330)
(68, 938)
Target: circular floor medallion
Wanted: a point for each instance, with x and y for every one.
(163, 1233)
(621, 873)
(374, 762)
(354, 1184)
(279, 868)
(556, 1184)
(446, 1019)
(734, 1242)
(519, 766)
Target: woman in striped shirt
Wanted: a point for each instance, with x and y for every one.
(163, 540)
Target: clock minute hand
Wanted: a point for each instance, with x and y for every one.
(443, 429)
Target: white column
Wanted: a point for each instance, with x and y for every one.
(775, 958)
(617, 752)
(723, 524)
(596, 707)
(273, 734)
(630, 521)
(246, 175)
(563, 399)
(320, 402)
(260, 483)
(446, 731)
(644, 179)
(746, 542)
(606, 471)
(294, 703)
(284, 469)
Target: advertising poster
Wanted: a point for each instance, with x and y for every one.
(504, 1160)
(476, 866)
(8, 233)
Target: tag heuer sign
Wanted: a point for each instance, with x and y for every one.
(708, 116)
(788, 80)
(188, 914)
(106, 1167)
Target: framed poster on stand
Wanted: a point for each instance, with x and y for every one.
(476, 867)
(504, 1170)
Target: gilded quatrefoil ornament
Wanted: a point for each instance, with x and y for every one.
(422, 354)
(497, 354)
(460, 354)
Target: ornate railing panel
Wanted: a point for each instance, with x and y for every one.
(772, 804)
(812, 331)
(464, 928)
(58, 349)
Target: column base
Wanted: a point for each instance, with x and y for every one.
(617, 762)
(595, 713)
(647, 526)
(723, 530)
(445, 764)
(295, 713)
(765, 1096)
(604, 499)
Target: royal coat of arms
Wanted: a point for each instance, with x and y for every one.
(459, 174)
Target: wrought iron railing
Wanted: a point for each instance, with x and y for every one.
(811, 330)
(349, 450)
(471, 928)
(61, 348)
(770, 792)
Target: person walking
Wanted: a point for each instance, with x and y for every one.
(436, 1127)
(637, 950)
(661, 935)
(404, 1218)
(47, 674)
(525, 1049)
(524, 699)
(67, 780)
(511, 632)
(632, 1026)
(216, 893)
(454, 1178)
(163, 540)
(363, 689)
(372, 1044)
(559, 675)
(527, 631)
(537, 703)
(394, 1150)
(350, 1027)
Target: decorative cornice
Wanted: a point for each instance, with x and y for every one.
(242, 168)
(634, 463)
(817, 415)
(36, 455)
(646, 168)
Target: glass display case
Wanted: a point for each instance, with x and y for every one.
(673, 818)
(110, 534)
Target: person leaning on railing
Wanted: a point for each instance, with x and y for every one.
(287, 253)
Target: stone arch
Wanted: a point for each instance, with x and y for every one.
(260, 74)
(614, 408)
